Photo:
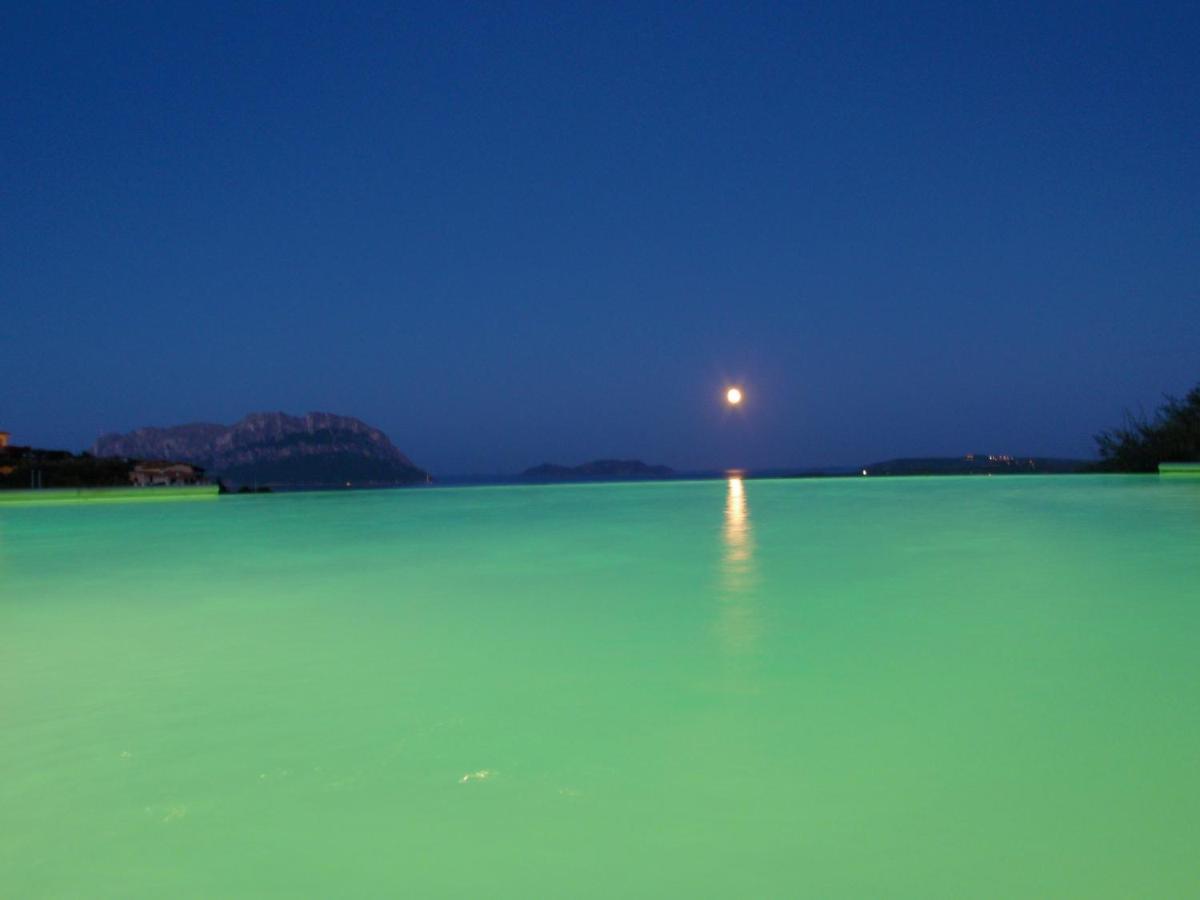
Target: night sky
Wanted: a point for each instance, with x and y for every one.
(506, 233)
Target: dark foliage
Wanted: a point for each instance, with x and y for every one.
(1172, 435)
(60, 469)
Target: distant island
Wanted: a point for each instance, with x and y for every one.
(597, 470)
(273, 448)
(977, 464)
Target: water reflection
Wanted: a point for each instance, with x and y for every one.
(738, 623)
(739, 541)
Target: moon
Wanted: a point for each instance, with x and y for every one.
(733, 396)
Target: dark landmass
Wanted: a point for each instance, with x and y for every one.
(1172, 435)
(978, 464)
(819, 472)
(28, 467)
(321, 450)
(314, 450)
(597, 470)
(672, 474)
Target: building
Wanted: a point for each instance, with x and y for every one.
(8, 455)
(156, 473)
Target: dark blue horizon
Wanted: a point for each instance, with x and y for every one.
(524, 233)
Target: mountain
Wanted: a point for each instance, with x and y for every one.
(275, 448)
(598, 470)
(977, 464)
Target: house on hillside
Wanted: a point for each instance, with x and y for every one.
(8, 455)
(152, 473)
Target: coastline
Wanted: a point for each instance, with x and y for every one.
(40, 496)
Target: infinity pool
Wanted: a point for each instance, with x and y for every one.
(983, 687)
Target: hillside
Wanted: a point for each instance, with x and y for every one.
(275, 448)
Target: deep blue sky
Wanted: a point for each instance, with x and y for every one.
(512, 233)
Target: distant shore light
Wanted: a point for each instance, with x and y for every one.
(734, 396)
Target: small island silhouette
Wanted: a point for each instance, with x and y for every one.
(597, 470)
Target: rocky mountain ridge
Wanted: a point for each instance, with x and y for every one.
(275, 448)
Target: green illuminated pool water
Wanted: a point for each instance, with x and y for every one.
(845, 688)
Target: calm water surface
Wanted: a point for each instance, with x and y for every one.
(847, 688)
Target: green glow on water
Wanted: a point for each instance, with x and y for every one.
(843, 688)
(42, 496)
(1179, 470)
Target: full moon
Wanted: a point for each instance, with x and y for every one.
(734, 396)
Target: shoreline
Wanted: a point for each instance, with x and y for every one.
(41, 496)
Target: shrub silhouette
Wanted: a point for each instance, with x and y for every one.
(1172, 435)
